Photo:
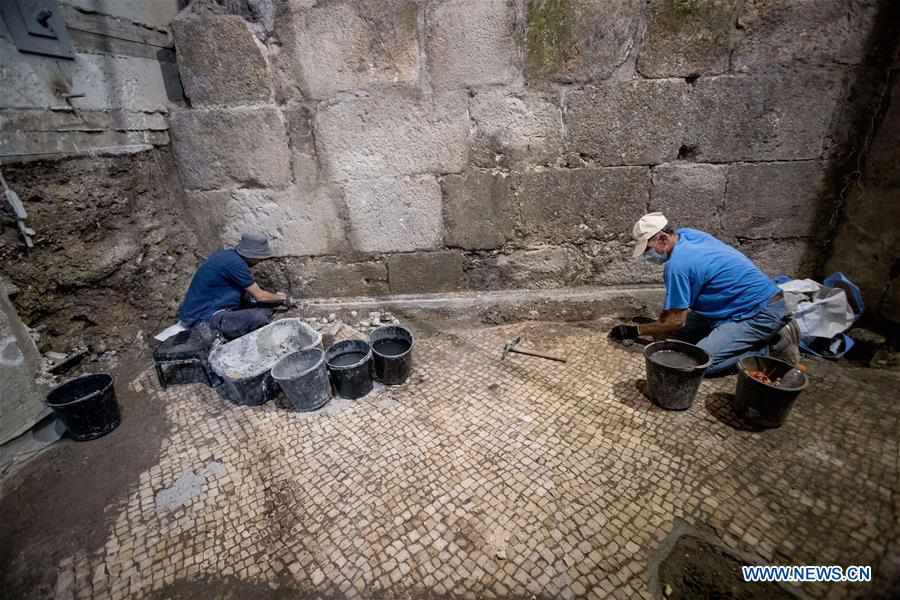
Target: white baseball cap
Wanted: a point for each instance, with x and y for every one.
(648, 226)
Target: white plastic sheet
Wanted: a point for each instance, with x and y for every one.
(819, 311)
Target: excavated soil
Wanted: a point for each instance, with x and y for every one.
(113, 250)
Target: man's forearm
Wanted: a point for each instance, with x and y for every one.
(659, 329)
(669, 322)
(265, 296)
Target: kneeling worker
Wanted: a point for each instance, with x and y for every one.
(217, 289)
(716, 298)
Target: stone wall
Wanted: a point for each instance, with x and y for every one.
(113, 97)
(436, 145)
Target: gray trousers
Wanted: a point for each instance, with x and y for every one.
(232, 324)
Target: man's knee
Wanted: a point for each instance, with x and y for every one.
(233, 324)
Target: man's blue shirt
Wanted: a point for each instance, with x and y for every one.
(219, 283)
(713, 279)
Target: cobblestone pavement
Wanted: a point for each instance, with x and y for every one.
(501, 479)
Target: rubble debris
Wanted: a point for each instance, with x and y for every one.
(64, 362)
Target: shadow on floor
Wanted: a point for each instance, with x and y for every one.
(633, 394)
(721, 406)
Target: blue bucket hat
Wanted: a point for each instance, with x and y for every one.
(254, 245)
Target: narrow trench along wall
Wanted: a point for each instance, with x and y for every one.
(436, 145)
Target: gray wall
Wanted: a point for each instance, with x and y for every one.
(867, 246)
(124, 66)
(449, 144)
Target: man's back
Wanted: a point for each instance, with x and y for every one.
(218, 284)
(714, 279)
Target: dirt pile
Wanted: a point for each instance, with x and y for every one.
(113, 251)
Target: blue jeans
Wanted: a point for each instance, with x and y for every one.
(727, 341)
(235, 323)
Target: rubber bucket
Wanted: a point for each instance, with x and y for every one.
(87, 406)
(392, 348)
(674, 372)
(303, 378)
(348, 368)
(764, 404)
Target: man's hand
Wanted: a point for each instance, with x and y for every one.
(620, 333)
(281, 295)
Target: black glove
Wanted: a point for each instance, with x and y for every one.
(621, 333)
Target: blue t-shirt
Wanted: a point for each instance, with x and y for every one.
(218, 283)
(713, 279)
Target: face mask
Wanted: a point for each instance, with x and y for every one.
(654, 257)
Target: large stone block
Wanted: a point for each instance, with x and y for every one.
(423, 272)
(299, 224)
(537, 268)
(611, 263)
(304, 160)
(479, 210)
(777, 200)
(392, 133)
(225, 148)
(772, 117)
(395, 214)
(794, 258)
(690, 195)
(514, 129)
(561, 205)
(221, 61)
(325, 277)
(628, 123)
(351, 45)
(206, 210)
(814, 32)
(472, 43)
(580, 40)
(687, 38)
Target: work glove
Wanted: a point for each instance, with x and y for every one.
(620, 333)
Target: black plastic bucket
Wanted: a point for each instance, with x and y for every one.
(303, 378)
(348, 368)
(87, 406)
(764, 404)
(674, 372)
(392, 348)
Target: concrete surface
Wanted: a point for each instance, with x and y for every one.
(22, 404)
(123, 72)
(484, 477)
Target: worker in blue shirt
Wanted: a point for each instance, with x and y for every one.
(716, 298)
(216, 294)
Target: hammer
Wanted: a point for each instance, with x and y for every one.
(511, 347)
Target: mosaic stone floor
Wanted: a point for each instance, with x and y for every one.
(483, 478)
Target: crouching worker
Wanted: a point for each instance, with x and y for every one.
(716, 298)
(215, 296)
